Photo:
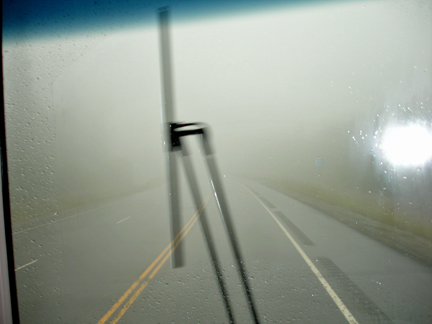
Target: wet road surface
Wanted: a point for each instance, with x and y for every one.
(109, 263)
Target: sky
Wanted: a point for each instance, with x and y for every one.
(280, 85)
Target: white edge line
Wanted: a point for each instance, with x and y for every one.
(28, 229)
(49, 223)
(350, 318)
(64, 218)
(123, 220)
(26, 265)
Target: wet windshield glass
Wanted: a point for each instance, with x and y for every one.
(311, 200)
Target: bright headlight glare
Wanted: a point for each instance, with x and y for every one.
(407, 145)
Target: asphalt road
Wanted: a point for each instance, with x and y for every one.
(106, 264)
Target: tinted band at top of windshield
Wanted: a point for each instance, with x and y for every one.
(48, 18)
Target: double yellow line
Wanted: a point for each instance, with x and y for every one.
(153, 268)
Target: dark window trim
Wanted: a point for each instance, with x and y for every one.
(8, 293)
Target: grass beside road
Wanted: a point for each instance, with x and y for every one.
(366, 205)
(369, 215)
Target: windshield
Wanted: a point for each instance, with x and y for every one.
(318, 114)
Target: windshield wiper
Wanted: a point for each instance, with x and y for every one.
(173, 134)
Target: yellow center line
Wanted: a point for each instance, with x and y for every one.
(170, 248)
(132, 299)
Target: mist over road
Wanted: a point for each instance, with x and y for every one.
(297, 93)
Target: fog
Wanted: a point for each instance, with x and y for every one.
(280, 88)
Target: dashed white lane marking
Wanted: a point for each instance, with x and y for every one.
(349, 317)
(123, 220)
(26, 265)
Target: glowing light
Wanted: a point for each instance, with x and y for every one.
(407, 145)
